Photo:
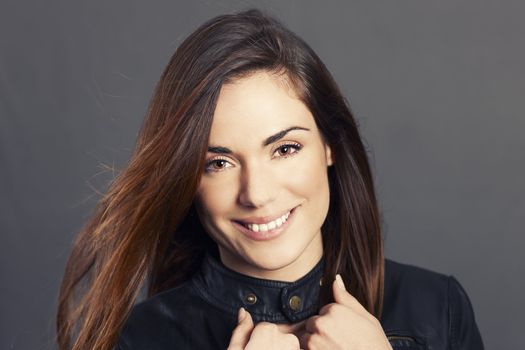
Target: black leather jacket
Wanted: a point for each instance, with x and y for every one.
(422, 309)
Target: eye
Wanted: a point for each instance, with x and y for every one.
(217, 164)
(288, 149)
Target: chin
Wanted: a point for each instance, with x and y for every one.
(286, 257)
(273, 262)
(273, 265)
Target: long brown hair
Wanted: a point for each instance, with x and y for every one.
(145, 232)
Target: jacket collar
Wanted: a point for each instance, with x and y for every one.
(265, 300)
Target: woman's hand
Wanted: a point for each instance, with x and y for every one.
(264, 336)
(345, 324)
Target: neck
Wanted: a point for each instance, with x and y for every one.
(289, 272)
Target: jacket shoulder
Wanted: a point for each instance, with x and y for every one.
(429, 305)
(400, 277)
(151, 320)
(412, 296)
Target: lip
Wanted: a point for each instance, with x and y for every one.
(267, 235)
(262, 219)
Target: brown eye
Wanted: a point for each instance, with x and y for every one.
(217, 165)
(284, 150)
(220, 163)
(288, 149)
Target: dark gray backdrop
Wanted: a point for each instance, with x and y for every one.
(438, 89)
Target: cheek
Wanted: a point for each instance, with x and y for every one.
(217, 195)
(308, 178)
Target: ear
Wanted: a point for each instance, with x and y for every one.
(328, 153)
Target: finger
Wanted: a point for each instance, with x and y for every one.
(241, 333)
(312, 324)
(294, 328)
(341, 296)
(291, 341)
(306, 341)
(328, 308)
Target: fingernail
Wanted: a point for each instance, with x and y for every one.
(339, 281)
(241, 315)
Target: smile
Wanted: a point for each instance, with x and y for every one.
(269, 225)
(264, 228)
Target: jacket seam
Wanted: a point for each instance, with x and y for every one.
(208, 301)
(451, 316)
(267, 283)
(211, 301)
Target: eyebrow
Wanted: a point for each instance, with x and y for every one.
(269, 140)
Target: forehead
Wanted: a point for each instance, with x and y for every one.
(257, 106)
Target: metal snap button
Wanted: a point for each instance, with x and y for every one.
(321, 281)
(250, 299)
(295, 303)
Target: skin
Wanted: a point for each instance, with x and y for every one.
(328, 330)
(256, 180)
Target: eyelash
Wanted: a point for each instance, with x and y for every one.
(294, 145)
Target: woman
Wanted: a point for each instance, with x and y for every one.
(249, 209)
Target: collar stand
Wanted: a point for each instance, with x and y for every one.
(266, 300)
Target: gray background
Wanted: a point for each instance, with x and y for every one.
(437, 87)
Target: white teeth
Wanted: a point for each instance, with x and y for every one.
(269, 225)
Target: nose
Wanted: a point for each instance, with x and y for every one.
(258, 187)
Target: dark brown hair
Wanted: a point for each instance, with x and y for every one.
(145, 229)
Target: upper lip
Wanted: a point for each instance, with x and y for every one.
(261, 219)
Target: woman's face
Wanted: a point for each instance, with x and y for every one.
(264, 193)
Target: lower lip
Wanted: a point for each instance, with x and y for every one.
(266, 235)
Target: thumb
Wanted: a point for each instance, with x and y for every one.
(241, 334)
(341, 296)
